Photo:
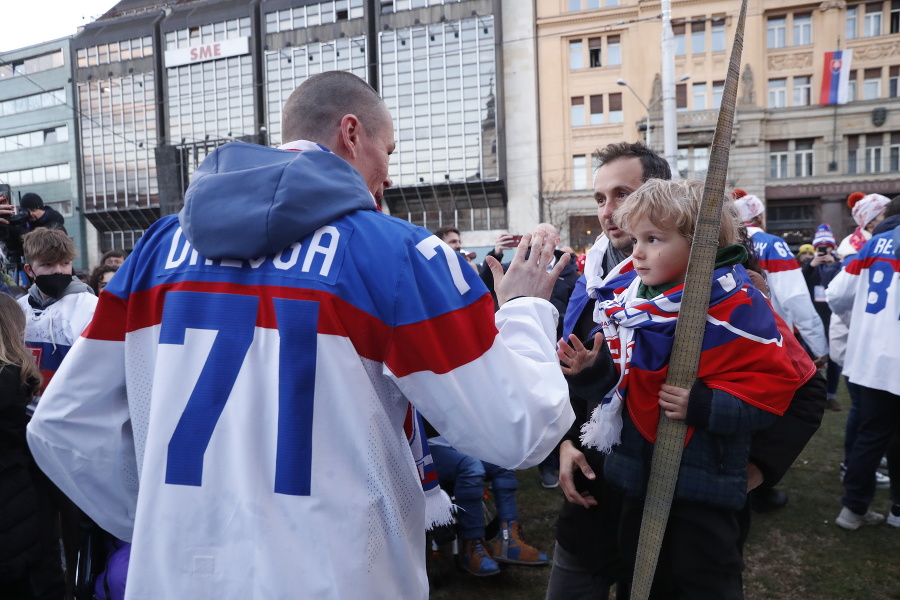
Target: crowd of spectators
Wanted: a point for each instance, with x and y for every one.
(781, 332)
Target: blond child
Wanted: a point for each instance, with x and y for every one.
(745, 379)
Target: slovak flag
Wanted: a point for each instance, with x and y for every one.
(836, 77)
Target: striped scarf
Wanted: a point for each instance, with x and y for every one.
(741, 343)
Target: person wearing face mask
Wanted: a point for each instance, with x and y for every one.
(58, 305)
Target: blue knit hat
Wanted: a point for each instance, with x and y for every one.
(824, 237)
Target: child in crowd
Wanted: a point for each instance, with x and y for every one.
(744, 380)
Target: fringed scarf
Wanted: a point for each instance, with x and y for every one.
(743, 352)
(437, 503)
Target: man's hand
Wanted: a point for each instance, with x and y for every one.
(821, 259)
(674, 401)
(505, 241)
(821, 362)
(571, 458)
(527, 277)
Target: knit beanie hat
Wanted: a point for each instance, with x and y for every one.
(748, 205)
(824, 237)
(806, 248)
(864, 208)
(31, 201)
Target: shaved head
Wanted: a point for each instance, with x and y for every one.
(314, 110)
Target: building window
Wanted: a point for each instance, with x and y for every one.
(802, 91)
(595, 52)
(802, 30)
(871, 84)
(678, 32)
(681, 103)
(699, 92)
(852, 154)
(578, 111)
(852, 11)
(895, 16)
(46, 174)
(29, 66)
(776, 29)
(873, 159)
(717, 37)
(803, 158)
(592, 4)
(574, 5)
(33, 139)
(615, 108)
(851, 86)
(693, 162)
(718, 88)
(895, 152)
(34, 102)
(777, 93)
(613, 50)
(596, 110)
(579, 172)
(894, 82)
(698, 37)
(873, 153)
(778, 160)
(872, 20)
(576, 56)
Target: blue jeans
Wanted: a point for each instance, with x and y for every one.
(468, 474)
(879, 421)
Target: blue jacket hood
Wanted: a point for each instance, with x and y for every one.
(247, 201)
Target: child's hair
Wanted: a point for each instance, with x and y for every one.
(675, 205)
(98, 274)
(48, 245)
(12, 348)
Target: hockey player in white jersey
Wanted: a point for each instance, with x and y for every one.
(787, 287)
(236, 409)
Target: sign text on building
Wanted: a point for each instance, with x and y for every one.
(213, 51)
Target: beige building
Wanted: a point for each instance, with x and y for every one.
(801, 157)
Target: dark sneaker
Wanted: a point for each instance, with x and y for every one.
(766, 499)
(549, 480)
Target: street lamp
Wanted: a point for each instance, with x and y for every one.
(684, 77)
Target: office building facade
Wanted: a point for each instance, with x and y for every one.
(804, 158)
(38, 131)
(162, 84)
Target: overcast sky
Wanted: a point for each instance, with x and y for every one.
(30, 22)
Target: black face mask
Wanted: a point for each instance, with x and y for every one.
(53, 285)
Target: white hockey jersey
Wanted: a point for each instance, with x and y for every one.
(788, 291)
(240, 419)
(866, 296)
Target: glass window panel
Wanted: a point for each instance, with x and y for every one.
(851, 23)
(776, 28)
(576, 57)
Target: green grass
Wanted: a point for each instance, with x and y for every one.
(793, 553)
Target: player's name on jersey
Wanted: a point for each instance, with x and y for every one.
(313, 255)
(884, 246)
